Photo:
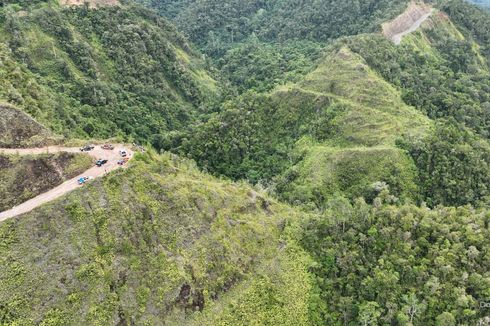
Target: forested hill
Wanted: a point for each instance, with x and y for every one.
(112, 71)
(258, 44)
(327, 176)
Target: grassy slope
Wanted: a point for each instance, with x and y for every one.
(362, 151)
(152, 243)
(22, 178)
(375, 116)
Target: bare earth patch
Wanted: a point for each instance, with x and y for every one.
(91, 3)
(408, 22)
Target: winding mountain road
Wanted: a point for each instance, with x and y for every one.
(112, 156)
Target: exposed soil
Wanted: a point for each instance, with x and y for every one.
(24, 178)
(91, 3)
(17, 129)
(407, 22)
(38, 171)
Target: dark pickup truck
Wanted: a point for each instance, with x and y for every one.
(87, 148)
(100, 162)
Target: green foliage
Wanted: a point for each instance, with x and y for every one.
(399, 265)
(333, 131)
(353, 172)
(260, 66)
(158, 242)
(454, 166)
(253, 137)
(440, 72)
(282, 20)
(259, 44)
(88, 78)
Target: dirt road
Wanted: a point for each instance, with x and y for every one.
(112, 156)
(408, 22)
(397, 38)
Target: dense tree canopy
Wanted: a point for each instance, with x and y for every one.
(139, 79)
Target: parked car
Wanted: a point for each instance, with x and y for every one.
(82, 180)
(87, 148)
(108, 147)
(123, 152)
(123, 161)
(101, 162)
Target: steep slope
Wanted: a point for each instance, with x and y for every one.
(368, 99)
(22, 178)
(156, 243)
(103, 72)
(17, 129)
(408, 22)
(295, 134)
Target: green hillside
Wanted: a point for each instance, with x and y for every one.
(300, 168)
(259, 44)
(342, 107)
(156, 243)
(64, 68)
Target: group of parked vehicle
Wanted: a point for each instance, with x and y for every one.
(101, 162)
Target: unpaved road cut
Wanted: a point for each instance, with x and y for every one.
(408, 22)
(113, 156)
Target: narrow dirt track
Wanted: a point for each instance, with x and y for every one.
(98, 153)
(397, 39)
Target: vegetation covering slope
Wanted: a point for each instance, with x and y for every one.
(25, 177)
(74, 72)
(156, 243)
(363, 138)
(399, 265)
(308, 130)
(258, 44)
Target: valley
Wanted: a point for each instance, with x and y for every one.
(302, 163)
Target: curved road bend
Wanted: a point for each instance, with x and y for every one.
(98, 153)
